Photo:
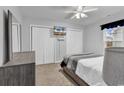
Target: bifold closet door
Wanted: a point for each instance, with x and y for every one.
(37, 45)
(43, 45)
(74, 42)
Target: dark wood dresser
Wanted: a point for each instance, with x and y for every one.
(20, 71)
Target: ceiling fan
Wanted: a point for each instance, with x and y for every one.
(80, 12)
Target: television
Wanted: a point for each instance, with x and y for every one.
(59, 31)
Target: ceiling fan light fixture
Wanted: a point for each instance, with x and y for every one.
(80, 12)
(77, 16)
(83, 15)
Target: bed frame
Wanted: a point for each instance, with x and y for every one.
(74, 77)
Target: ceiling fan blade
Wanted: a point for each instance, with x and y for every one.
(90, 10)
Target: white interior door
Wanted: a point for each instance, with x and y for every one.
(60, 49)
(74, 42)
(15, 38)
(38, 44)
(43, 45)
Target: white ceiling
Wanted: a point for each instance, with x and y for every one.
(57, 13)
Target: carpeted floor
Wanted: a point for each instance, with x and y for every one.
(51, 75)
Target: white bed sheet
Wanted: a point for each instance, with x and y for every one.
(90, 70)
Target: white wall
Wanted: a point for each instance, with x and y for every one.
(74, 42)
(93, 39)
(1, 36)
(93, 36)
(3, 12)
(25, 33)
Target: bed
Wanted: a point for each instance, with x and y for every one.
(80, 65)
(96, 70)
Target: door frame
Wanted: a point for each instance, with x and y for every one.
(19, 36)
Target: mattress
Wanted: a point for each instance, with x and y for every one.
(90, 70)
(72, 61)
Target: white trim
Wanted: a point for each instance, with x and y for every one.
(30, 37)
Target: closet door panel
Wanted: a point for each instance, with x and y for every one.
(38, 44)
(60, 49)
(40, 47)
(63, 48)
(49, 51)
(43, 45)
(49, 48)
(34, 39)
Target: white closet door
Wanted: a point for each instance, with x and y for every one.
(49, 47)
(38, 44)
(60, 49)
(74, 42)
(43, 45)
(15, 38)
